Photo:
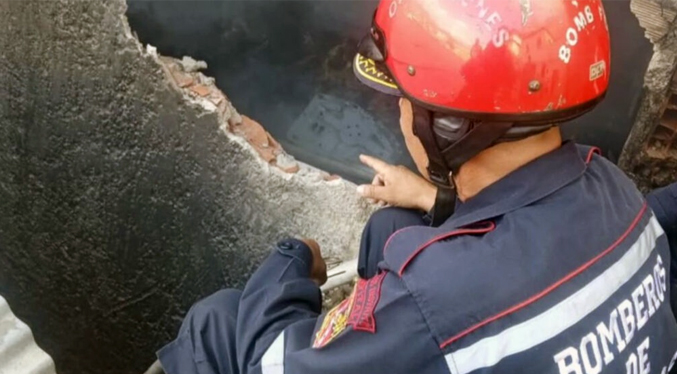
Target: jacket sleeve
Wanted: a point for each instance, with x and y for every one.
(279, 313)
(663, 202)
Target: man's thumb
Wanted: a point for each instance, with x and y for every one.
(370, 191)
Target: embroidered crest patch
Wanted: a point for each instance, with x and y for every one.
(367, 294)
(356, 311)
(334, 323)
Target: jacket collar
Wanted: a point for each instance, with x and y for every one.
(526, 185)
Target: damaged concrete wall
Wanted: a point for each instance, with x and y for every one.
(125, 194)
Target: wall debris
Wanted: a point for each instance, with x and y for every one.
(648, 155)
(185, 74)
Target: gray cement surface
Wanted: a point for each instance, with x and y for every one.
(122, 201)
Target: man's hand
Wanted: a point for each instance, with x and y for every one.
(318, 270)
(397, 186)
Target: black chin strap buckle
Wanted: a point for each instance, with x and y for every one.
(440, 177)
(451, 143)
(438, 172)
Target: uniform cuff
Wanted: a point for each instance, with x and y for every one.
(297, 250)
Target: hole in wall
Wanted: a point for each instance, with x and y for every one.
(663, 142)
(286, 64)
(658, 161)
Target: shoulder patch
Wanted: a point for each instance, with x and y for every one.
(367, 294)
(356, 311)
(334, 322)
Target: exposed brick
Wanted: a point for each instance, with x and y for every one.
(169, 62)
(264, 144)
(259, 138)
(182, 80)
(662, 142)
(277, 148)
(287, 163)
(176, 72)
(200, 89)
(232, 123)
(331, 177)
(216, 98)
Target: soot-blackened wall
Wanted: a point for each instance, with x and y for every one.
(122, 200)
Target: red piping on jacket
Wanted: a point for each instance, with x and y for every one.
(592, 151)
(464, 231)
(393, 235)
(551, 288)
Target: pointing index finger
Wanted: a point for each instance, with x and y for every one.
(374, 163)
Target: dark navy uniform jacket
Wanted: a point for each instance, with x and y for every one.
(560, 267)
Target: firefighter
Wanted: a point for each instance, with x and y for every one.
(552, 261)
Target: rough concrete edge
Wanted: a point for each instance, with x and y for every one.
(228, 117)
(658, 78)
(201, 92)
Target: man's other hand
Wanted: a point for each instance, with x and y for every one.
(318, 270)
(397, 186)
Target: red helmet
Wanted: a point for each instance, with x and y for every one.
(522, 61)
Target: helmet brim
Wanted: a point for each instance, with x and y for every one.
(374, 75)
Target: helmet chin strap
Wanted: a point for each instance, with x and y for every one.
(438, 171)
(450, 145)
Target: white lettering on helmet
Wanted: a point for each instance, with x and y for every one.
(501, 37)
(588, 14)
(494, 18)
(580, 23)
(572, 36)
(565, 54)
(392, 10)
(489, 16)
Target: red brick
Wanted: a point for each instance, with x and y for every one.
(200, 89)
(259, 138)
(182, 80)
(216, 98)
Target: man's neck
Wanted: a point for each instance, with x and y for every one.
(502, 159)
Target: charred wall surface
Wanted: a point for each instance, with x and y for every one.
(123, 199)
